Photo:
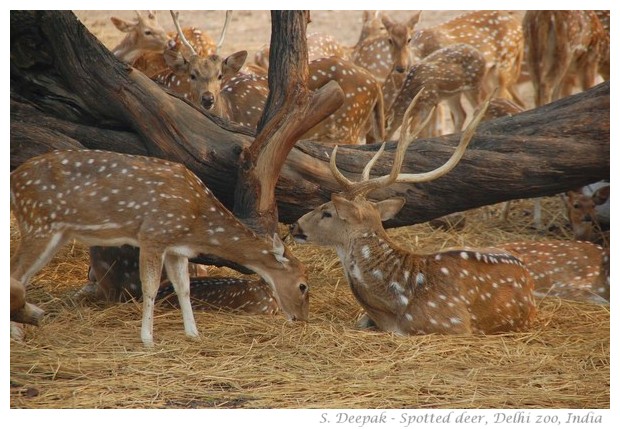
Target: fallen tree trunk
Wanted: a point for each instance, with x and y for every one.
(68, 90)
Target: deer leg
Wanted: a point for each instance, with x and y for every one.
(176, 268)
(457, 111)
(33, 254)
(150, 275)
(538, 214)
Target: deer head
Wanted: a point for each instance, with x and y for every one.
(145, 34)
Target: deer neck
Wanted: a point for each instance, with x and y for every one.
(379, 272)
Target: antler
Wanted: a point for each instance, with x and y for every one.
(175, 18)
(367, 185)
(221, 41)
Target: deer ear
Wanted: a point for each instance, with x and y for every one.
(390, 208)
(346, 210)
(122, 25)
(601, 195)
(278, 249)
(414, 20)
(386, 21)
(233, 63)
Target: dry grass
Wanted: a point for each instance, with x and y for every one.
(92, 357)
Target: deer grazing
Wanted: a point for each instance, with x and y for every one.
(496, 34)
(110, 199)
(574, 270)
(564, 50)
(458, 291)
(445, 75)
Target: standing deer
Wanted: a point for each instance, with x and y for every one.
(320, 45)
(459, 291)
(496, 34)
(575, 270)
(445, 75)
(564, 49)
(111, 199)
(384, 52)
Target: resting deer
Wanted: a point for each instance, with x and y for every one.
(459, 291)
(564, 49)
(111, 199)
(496, 34)
(575, 270)
(146, 40)
(445, 75)
(587, 209)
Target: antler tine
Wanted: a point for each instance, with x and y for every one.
(371, 163)
(340, 178)
(368, 185)
(175, 18)
(456, 156)
(138, 15)
(221, 41)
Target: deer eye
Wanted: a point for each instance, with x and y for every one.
(325, 215)
(148, 32)
(303, 288)
(192, 76)
(219, 76)
(390, 41)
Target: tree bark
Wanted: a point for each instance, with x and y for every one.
(67, 89)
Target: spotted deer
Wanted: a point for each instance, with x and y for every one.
(564, 50)
(371, 27)
(496, 34)
(146, 40)
(574, 270)
(445, 75)
(240, 295)
(458, 291)
(110, 199)
(384, 52)
(587, 209)
(320, 45)
(21, 310)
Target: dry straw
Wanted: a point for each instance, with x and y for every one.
(91, 356)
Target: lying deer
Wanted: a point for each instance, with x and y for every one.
(145, 41)
(460, 291)
(111, 199)
(575, 270)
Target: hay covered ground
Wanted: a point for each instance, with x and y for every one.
(92, 357)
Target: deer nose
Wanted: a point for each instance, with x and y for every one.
(297, 232)
(207, 100)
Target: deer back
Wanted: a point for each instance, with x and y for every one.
(575, 270)
(447, 71)
(496, 34)
(363, 100)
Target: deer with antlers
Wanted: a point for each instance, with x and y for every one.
(445, 75)
(496, 34)
(459, 291)
(145, 41)
(111, 199)
(565, 49)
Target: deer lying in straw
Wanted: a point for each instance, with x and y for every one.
(110, 199)
(460, 291)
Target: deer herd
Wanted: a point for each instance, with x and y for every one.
(399, 81)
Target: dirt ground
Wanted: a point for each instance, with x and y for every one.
(92, 357)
